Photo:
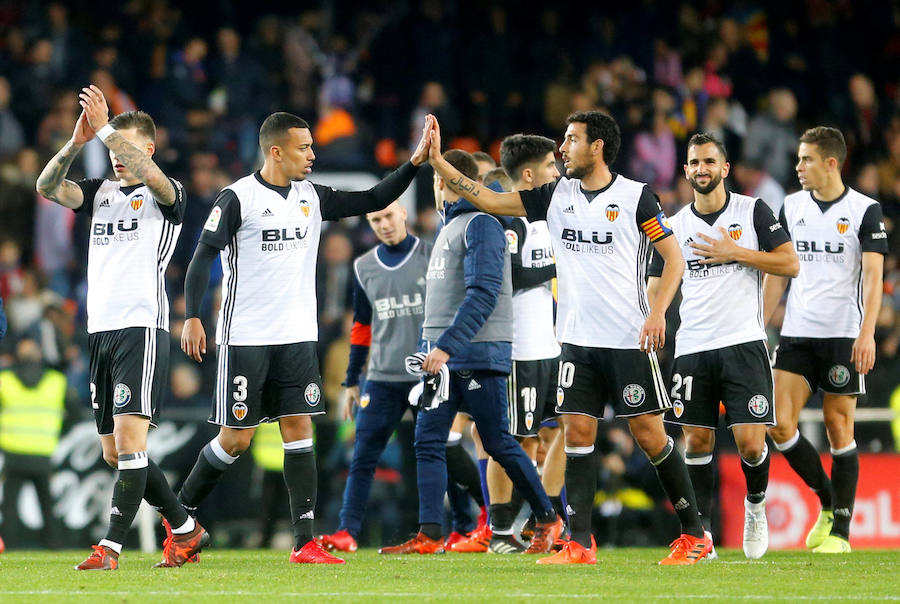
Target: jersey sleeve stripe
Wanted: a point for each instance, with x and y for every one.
(657, 227)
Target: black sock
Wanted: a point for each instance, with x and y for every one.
(844, 475)
(300, 478)
(558, 506)
(673, 475)
(581, 484)
(756, 476)
(127, 495)
(502, 518)
(462, 470)
(431, 530)
(205, 474)
(159, 494)
(516, 502)
(700, 469)
(804, 460)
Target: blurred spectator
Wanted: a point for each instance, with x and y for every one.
(754, 181)
(653, 155)
(338, 144)
(12, 275)
(185, 386)
(772, 138)
(717, 123)
(25, 309)
(485, 163)
(17, 200)
(118, 100)
(889, 167)
(334, 284)
(864, 123)
(32, 406)
(433, 100)
(53, 253)
(12, 136)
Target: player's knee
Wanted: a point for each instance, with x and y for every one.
(782, 432)
(751, 450)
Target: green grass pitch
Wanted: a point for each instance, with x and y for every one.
(621, 575)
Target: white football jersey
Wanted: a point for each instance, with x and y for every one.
(825, 299)
(601, 240)
(271, 244)
(534, 336)
(721, 304)
(132, 240)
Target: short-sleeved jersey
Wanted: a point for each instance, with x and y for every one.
(721, 304)
(825, 299)
(534, 336)
(269, 237)
(601, 240)
(132, 240)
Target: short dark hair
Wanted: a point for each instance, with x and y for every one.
(517, 150)
(704, 138)
(600, 126)
(462, 161)
(482, 156)
(275, 128)
(138, 120)
(498, 175)
(829, 140)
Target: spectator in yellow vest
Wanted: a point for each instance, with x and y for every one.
(32, 405)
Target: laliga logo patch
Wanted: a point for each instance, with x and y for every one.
(758, 405)
(612, 212)
(529, 420)
(839, 376)
(678, 408)
(212, 223)
(842, 225)
(121, 395)
(363, 401)
(735, 231)
(560, 397)
(313, 394)
(304, 207)
(634, 395)
(239, 411)
(512, 241)
(136, 202)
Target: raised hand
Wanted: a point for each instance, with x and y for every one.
(434, 151)
(94, 105)
(420, 155)
(83, 131)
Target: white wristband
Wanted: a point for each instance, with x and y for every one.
(104, 132)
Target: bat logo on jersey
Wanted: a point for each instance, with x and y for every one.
(634, 395)
(312, 394)
(304, 207)
(121, 395)
(136, 202)
(612, 212)
(758, 405)
(364, 401)
(842, 225)
(239, 411)
(677, 408)
(735, 231)
(839, 376)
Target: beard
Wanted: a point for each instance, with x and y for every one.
(579, 172)
(710, 186)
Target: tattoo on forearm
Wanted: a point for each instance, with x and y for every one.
(53, 175)
(461, 184)
(142, 166)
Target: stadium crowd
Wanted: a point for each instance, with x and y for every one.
(755, 74)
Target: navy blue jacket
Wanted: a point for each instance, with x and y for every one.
(483, 273)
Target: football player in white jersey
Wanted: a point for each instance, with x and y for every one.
(266, 229)
(828, 334)
(135, 221)
(728, 241)
(602, 226)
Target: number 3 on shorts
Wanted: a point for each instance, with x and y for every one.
(240, 393)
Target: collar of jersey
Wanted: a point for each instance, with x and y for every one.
(592, 195)
(283, 191)
(824, 205)
(130, 188)
(711, 218)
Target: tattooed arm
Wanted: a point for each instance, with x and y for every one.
(137, 160)
(52, 182)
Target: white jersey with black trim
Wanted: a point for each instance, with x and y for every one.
(534, 335)
(721, 304)
(269, 266)
(132, 241)
(601, 247)
(825, 299)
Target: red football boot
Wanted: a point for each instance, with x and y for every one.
(102, 558)
(312, 553)
(688, 550)
(341, 541)
(178, 549)
(420, 544)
